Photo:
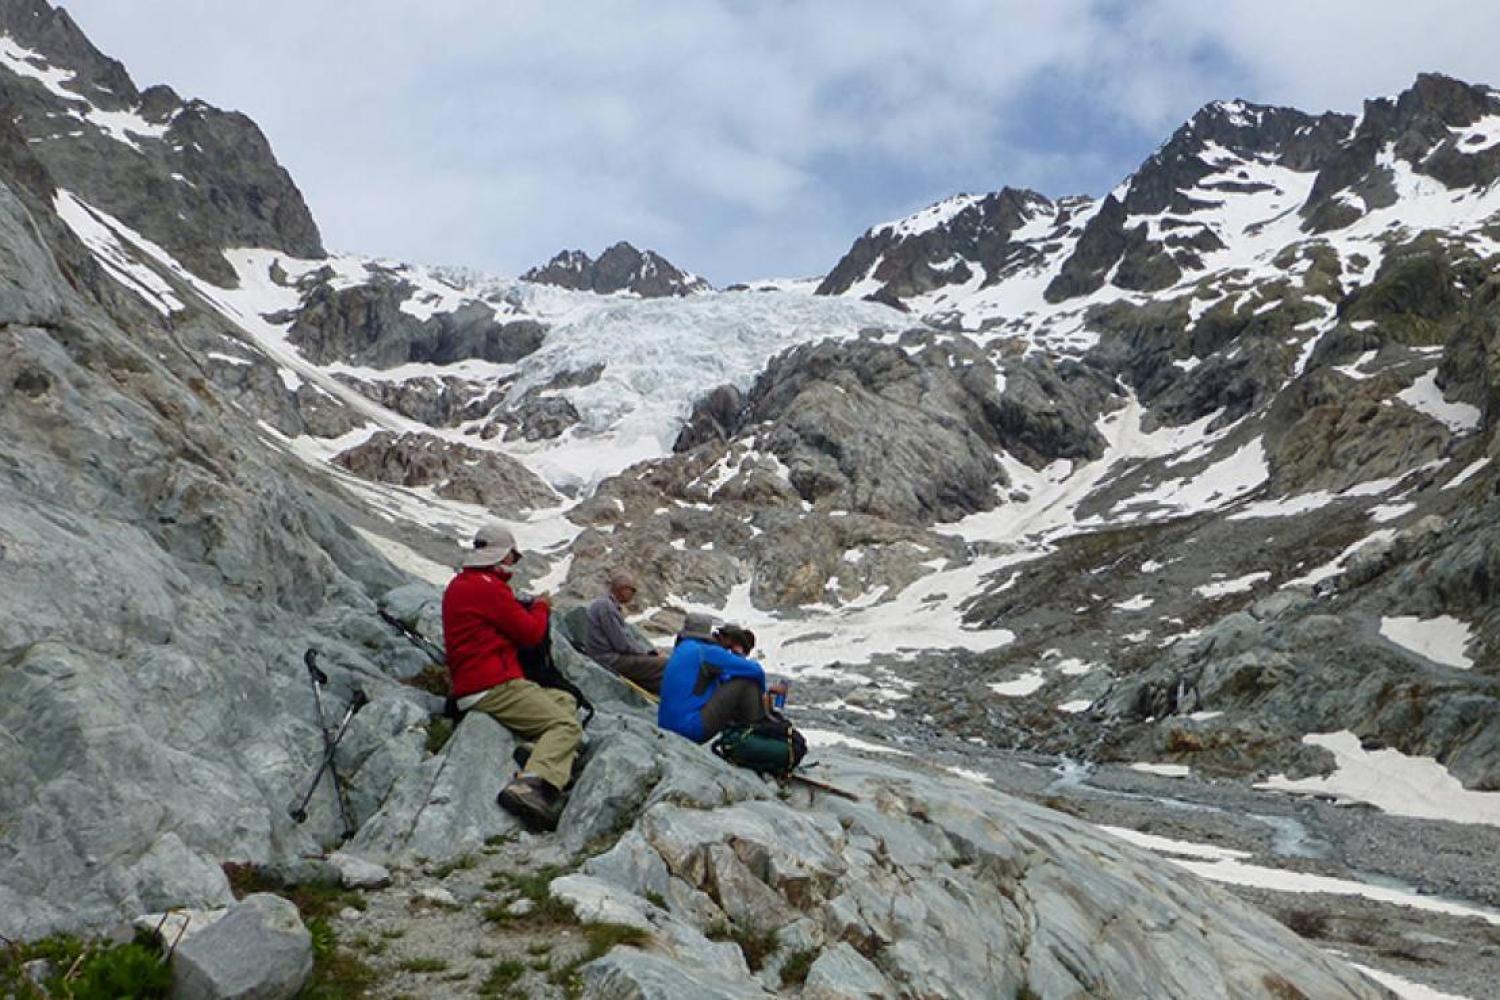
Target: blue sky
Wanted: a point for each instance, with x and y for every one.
(741, 138)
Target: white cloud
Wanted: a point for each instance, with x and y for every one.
(738, 138)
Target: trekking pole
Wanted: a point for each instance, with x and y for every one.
(654, 699)
(299, 811)
(331, 741)
(414, 637)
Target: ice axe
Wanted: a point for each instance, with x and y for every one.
(331, 740)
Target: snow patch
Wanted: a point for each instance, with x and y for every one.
(1391, 781)
(1441, 639)
(1426, 398)
(1238, 585)
(1027, 683)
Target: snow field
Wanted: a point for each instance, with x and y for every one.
(1220, 864)
(1391, 781)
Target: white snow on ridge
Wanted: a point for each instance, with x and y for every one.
(118, 125)
(1335, 565)
(1426, 398)
(1468, 472)
(924, 617)
(105, 237)
(1393, 782)
(1239, 585)
(928, 218)
(1442, 639)
(1479, 137)
(1216, 486)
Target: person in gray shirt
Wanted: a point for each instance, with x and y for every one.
(614, 645)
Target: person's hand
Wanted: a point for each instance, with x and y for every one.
(545, 597)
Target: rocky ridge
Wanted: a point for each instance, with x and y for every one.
(147, 157)
(620, 268)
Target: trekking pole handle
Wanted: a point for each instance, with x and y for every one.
(359, 701)
(311, 659)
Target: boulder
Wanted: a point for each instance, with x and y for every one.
(258, 950)
(357, 873)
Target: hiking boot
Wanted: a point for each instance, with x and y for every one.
(522, 755)
(533, 801)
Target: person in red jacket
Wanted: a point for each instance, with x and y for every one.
(483, 625)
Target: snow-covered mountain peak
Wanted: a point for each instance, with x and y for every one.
(188, 177)
(620, 269)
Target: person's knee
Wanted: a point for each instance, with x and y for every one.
(569, 729)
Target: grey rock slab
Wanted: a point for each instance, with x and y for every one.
(787, 850)
(445, 807)
(631, 974)
(594, 899)
(619, 772)
(631, 864)
(258, 950)
(841, 973)
(747, 900)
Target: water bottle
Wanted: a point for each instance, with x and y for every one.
(778, 691)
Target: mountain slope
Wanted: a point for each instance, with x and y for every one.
(192, 178)
(1183, 475)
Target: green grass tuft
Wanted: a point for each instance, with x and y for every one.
(311, 900)
(794, 970)
(88, 970)
(756, 946)
(463, 864)
(337, 974)
(502, 979)
(439, 731)
(601, 937)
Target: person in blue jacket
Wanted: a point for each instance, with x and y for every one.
(706, 687)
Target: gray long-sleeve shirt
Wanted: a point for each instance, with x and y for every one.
(608, 636)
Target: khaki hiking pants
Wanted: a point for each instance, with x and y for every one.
(547, 716)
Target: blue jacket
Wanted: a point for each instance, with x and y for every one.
(682, 699)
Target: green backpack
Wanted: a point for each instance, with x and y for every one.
(772, 746)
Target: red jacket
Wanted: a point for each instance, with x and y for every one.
(483, 624)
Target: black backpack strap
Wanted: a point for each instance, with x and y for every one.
(538, 667)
